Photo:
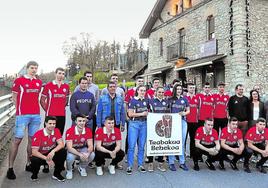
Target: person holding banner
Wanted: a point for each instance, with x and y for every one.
(206, 143)
(158, 105)
(179, 104)
(137, 111)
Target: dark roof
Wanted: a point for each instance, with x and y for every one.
(140, 71)
(154, 15)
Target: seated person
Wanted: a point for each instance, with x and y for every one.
(48, 148)
(231, 143)
(206, 143)
(108, 145)
(79, 146)
(257, 142)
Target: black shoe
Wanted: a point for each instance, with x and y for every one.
(261, 169)
(196, 167)
(119, 167)
(233, 165)
(221, 165)
(210, 165)
(10, 174)
(46, 169)
(34, 177)
(129, 170)
(246, 169)
(28, 168)
(58, 177)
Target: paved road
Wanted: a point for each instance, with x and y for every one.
(203, 178)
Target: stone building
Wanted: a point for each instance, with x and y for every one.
(209, 40)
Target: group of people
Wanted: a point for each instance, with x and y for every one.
(218, 125)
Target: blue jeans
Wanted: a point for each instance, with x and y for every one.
(32, 121)
(171, 158)
(137, 130)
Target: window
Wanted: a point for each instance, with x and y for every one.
(211, 27)
(161, 46)
(182, 42)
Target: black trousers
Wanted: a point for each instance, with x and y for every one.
(249, 153)
(191, 129)
(101, 156)
(160, 159)
(198, 154)
(201, 123)
(60, 123)
(59, 159)
(236, 157)
(220, 123)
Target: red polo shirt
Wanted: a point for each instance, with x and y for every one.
(130, 94)
(150, 93)
(27, 90)
(231, 138)
(192, 117)
(45, 142)
(221, 102)
(56, 98)
(101, 135)
(255, 136)
(78, 140)
(206, 139)
(206, 106)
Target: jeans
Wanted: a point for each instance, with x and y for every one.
(137, 133)
(171, 158)
(72, 157)
(32, 121)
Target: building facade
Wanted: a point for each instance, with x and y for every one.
(209, 40)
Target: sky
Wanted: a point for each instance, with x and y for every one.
(36, 30)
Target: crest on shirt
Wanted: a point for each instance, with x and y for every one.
(26, 85)
(164, 103)
(113, 137)
(34, 139)
(75, 140)
(155, 104)
(138, 105)
(55, 90)
(144, 103)
(212, 138)
(53, 139)
(45, 143)
(14, 85)
(82, 139)
(225, 99)
(262, 137)
(212, 99)
(37, 84)
(235, 137)
(64, 90)
(197, 134)
(236, 102)
(97, 135)
(182, 102)
(105, 139)
(195, 100)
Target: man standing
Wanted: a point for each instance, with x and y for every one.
(232, 143)
(93, 88)
(257, 142)
(108, 145)
(48, 148)
(118, 90)
(83, 102)
(55, 97)
(150, 93)
(220, 111)
(206, 143)
(206, 104)
(111, 104)
(192, 117)
(238, 106)
(79, 146)
(25, 94)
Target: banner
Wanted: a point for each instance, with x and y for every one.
(164, 134)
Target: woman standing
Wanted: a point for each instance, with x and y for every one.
(158, 105)
(256, 108)
(137, 131)
(179, 104)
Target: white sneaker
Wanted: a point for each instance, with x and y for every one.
(69, 174)
(99, 171)
(111, 169)
(82, 171)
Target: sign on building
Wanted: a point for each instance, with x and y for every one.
(208, 48)
(164, 134)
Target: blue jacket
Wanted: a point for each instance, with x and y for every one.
(104, 110)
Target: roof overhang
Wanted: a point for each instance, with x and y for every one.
(201, 62)
(158, 71)
(154, 15)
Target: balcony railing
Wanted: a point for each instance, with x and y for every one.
(175, 51)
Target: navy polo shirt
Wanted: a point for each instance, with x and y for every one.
(159, 106)
(178, 105)
(139, 106)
